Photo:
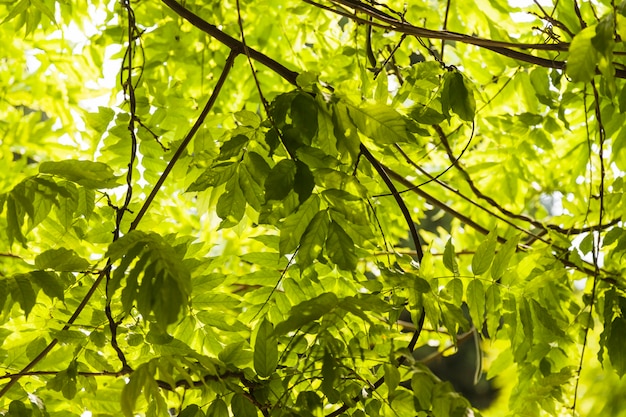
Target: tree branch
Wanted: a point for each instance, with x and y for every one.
(231, 42)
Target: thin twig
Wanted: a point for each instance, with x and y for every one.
(597, 239)
(183, 145)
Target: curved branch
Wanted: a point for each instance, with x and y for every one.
(231, 42)
(209, 105)
(499, 47)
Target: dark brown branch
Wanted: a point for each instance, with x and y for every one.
(444, 35)
(209, 105)
(231, 42)
(394, 191)
(499, 47)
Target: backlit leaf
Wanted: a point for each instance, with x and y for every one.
(307, 312)
(484, 254)
(265, 350)
(340, 247)
(381, 123)
(89, 174)
(280, 180)
(583, 56)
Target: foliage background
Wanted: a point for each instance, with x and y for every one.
(229, 227)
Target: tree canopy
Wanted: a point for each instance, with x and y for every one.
(301, 207)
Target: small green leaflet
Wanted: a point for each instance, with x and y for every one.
(329, 375)
(484, 254)
(21, 291)
(304, 116)
(99, 121)
(493, 308)
(280, 180)
(475, 295)
(65, 381)
(296, 224)
(422, 383)
(307, 312)
(340, 248)
(265, 350)
(218, 409)
(49, 282)
(61, 259)
(242, 407)
(380, 122)
(392, 377)
(232, 147)
(449, 258)
(503, 257)
(247, 118)
(615, 345)
(231, 206)
(312, 242)
(457, 96)
(89, 174)
(546, 319)
(252, 174)
(583, 56)
(214, 176)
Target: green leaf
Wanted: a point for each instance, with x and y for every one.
(622, 99)
(265, 350)
(89, 174)
(218, 408)
(345, 131)
(49, 282)
(392, 377)
(242, 406)
(475, 295)
(19, 8)
(191, 411)
(61, 259)
(484, 254)
(340, 248)
(17, 408)
(304, 116)
(213, 176)
(493, 308)
(380, 122)
(280, 180)
(303, 181)
(307, 312)
(165, 283)
(22, 291)
(449, 258)
(233, 147)
(252, 174)
(503, 257)
(65, 381)
(422, 384)
(603, 40)
(583, 56)
(231, 206)
(615, 345)
(99, 121)
(296, 224)
(312, 241)
(329, 375)
(247, 118)
(426, 115)
(546, 319)
(457, 96)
